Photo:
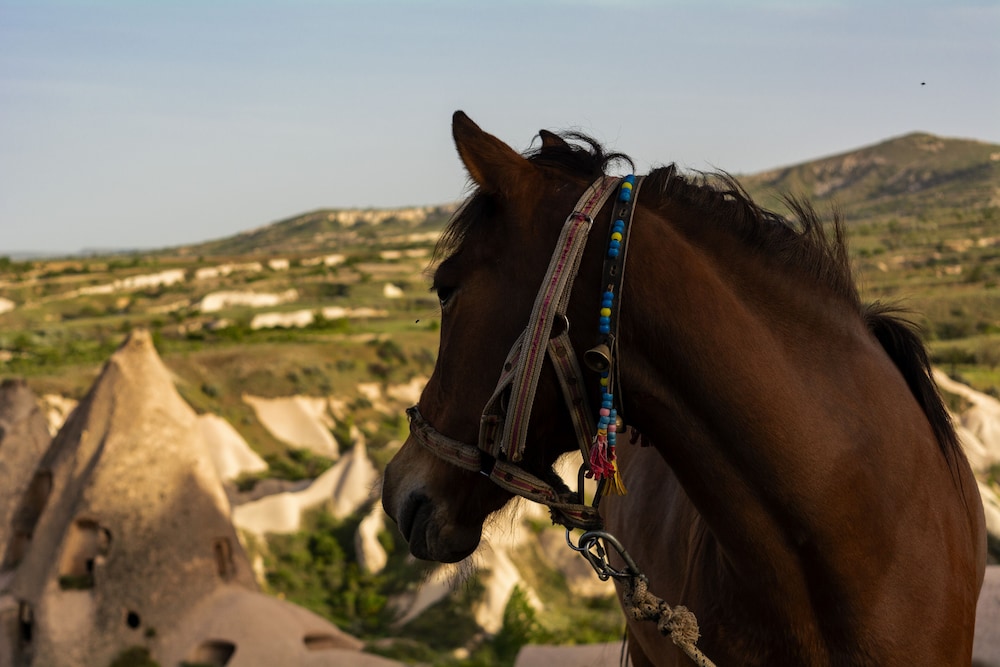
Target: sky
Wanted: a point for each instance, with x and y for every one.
(153, 123)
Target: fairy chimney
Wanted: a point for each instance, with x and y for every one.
(125, 527)
(24, 437)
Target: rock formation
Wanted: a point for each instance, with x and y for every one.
(298, 421)
(24, 437)
(347, 486)
(124, 540)
(230, 453)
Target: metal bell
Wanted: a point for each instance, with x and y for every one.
(598, 358)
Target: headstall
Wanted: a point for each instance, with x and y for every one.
(504, 423)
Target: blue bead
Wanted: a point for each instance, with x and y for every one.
(616, 244)
(604, 320)
(608, 403)
(612, 252)
(625, 195)
(630, 179)
(619, 225)
(604, 328)
(609, 295)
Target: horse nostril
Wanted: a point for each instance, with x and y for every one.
(408, 513)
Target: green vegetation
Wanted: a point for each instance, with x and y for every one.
(317, 568)
(76, 582)
(135, 656)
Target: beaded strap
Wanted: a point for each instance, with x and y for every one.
(602, 450)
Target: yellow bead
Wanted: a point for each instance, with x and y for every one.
(605, 312)
(617, 236)
(604, 382)
(626, 186)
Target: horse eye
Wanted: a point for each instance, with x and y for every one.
(444, 294)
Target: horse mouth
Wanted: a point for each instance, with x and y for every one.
(427, 540)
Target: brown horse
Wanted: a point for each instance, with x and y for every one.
(802, 491)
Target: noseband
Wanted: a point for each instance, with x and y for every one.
(504, 422)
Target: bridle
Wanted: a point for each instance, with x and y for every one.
(504, 422)
(503, 426)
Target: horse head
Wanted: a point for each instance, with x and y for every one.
(495, 254)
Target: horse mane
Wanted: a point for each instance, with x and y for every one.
(801, 242)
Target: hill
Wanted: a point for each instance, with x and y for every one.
(912, 176)
(326, 228)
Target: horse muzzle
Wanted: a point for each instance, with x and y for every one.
(423, 521)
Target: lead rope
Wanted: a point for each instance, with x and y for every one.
(678, 622)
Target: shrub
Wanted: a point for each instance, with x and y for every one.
(134, 656)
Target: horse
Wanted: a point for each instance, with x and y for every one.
(791, 475)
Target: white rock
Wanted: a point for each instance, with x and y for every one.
(231, 455)
(299, 421)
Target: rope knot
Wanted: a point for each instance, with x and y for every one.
(682, 626)
(678, 623)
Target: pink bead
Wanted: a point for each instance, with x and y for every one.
(605, 412)
(612, 428)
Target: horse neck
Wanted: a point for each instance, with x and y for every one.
(754, 385)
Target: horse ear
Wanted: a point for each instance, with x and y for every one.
(492, 164)
(551, 140)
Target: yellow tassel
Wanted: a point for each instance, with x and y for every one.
(617, 486)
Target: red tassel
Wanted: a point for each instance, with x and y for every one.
(601, 466)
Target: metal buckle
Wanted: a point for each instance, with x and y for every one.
(592, 546)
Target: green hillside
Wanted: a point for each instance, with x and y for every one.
(914, 176)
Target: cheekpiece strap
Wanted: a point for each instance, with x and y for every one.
(551, 301)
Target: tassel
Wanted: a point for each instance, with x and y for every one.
(600, 466)
(617, 486)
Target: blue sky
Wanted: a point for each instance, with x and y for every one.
(151, 123)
